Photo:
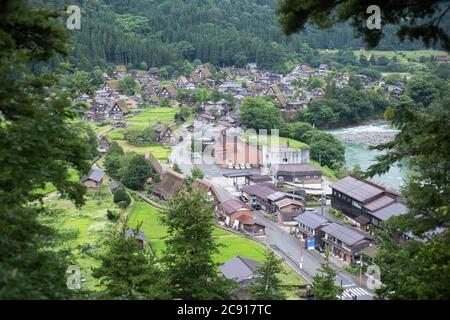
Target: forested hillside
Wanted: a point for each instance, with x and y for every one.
(171, 32)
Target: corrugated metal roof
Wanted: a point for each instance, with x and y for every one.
(298, 170)
(379, 203)
(95, 175)
(232, 205)
(261, 191)
(346, 234)
(357, 189)
(394, 209)
(276, 196)
(239, 268)
(286, 202)
(311, 220)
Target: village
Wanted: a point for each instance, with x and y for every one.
(264, 188)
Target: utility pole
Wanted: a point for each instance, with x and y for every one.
(301, 252)
(360, 270)
(323, 203)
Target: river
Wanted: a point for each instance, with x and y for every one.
(356, 152)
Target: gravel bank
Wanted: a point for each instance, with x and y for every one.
(368, 139)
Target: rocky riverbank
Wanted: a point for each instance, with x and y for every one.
(368, 139)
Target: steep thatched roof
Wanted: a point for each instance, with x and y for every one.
(170, 184)
(156, 166)
(113, 84)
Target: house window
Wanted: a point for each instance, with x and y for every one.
(356, 204)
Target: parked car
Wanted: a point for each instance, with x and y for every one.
(243, 199)
(230, 166)
(320, 249)
(248, 166)
(256, 206)
(242, 166)
(237, 167)
(310, 210)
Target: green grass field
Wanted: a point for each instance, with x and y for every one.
(160, 152)
(282, 142)
(402, 54)
(230, 244)
(79, 228)
(49, 188)
(327, 172)
(151, 226)
(152, 116)
(147, 118)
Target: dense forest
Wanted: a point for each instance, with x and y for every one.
(172, 33)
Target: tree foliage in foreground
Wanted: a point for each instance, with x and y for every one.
(267, 285)
(128, 273)
(190, 248)
(416, 20)
(324, 286)
(420, 268)
(39, 142)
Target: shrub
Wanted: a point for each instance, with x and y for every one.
(122, 196)
(113, 215)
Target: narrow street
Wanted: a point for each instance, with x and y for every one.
(276, 238)
(289, 248)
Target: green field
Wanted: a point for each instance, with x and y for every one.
(231, 244)
(152, 116)
(160, 152)
(147, 118)
(151, 226)
(282, 142)
(327, 172)
(402, 54)
(49, 188)
(80, 228)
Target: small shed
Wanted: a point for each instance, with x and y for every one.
(139, 235)
(94, 180)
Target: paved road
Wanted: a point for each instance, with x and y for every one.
(289, 247)
(278, 239)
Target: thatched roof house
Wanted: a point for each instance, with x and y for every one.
(170, 185)
(156, 166)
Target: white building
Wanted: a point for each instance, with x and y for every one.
(275, 156)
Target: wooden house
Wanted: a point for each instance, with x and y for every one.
(170, 185)
(138, 235)
(345, 242)
(94, 180)
(275, 92)
(104, 143)
(167, 92)
(118, 110)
